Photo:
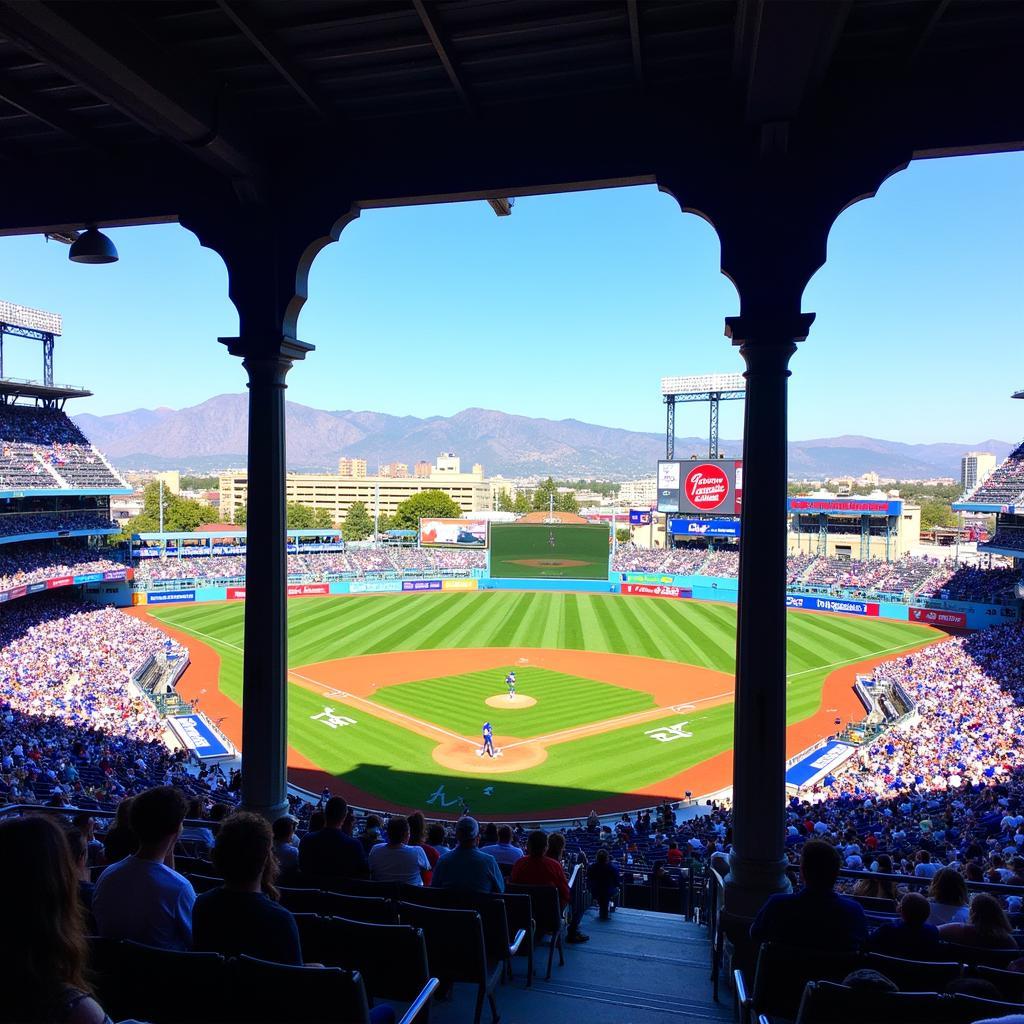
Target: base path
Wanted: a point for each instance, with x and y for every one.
(671, 684)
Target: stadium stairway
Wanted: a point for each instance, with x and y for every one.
(639, 967)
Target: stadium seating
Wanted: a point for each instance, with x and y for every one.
(22, 564)
(1006, 485)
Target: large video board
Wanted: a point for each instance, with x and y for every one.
(706, 487)
(453, 533)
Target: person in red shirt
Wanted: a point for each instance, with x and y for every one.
(674, 857)
(537, 869)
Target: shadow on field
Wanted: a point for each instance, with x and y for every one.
(448, 795)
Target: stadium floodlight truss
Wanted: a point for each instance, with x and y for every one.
(709, 387)
(34, 324)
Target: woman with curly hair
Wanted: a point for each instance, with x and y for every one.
(42, 947)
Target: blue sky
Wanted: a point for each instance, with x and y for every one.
(575, 306)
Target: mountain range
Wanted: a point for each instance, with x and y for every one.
(212, 435)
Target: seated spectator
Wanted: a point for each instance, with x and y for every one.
(947, 897)
(330, 853)
(371, 833)
(286, 849)
(86, 824)
(604, 882)
(556, 846)
(815, 915)
(241, 916)
(674, 856)
(79, 850)
(417, 837)
(395, 860)
(199, 837)
(120, 841)
(911, 938)
(878, 888)
(924, 868)
(42, 948)
(141, 898)
(467, 868)
(538, 869)
(987, 926)
(504, 851)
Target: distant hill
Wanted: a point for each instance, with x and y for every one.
(212, 436)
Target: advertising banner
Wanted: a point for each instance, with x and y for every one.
(705, 527)
(832, 604)
(421, 584)
(198, 736)
(655, 590)
(851, 506)
(89, 577)
(668, 486)
(35, 588)
(16, 592)
(308, 589)
(171, 596)
(645, 577)
(118, 574)
(453, 533)
(236, 593)
(374, 586)
(937, 617)
(60, 581)
(459, 584)
(639, 517)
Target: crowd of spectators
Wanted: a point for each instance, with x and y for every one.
(972, 583)
(1006, 485)
(1009, 538)
(22, 564)
(316, 566)
(14, 523)
(42, 448)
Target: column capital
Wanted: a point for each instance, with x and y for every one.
(768, 329)
(272, 347)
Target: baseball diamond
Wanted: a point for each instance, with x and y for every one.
(630, 701)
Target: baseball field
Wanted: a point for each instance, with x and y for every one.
(621, 700)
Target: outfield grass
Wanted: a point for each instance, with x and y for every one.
(381, 757)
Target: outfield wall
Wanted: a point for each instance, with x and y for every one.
(951, 614)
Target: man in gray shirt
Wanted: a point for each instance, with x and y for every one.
(466, 868)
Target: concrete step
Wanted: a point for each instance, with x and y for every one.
(639, 967)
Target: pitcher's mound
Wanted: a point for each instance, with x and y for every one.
(503, 700)
(464, 758)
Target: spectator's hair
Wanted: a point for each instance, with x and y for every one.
(914, 909)
(819, 864)
(505, 834)
(157, 813)
(78, 847)
(435, 834)
(537, 843)
(490, 834)
(334, 811)
(219, 811)
(417, 828)
(316, 821)
(284, 828)
(949, 888)
(923, 857)
(869, 981)
(979, 987)
(973, 872)
(398, 829)
(42, 949)
(244, 851)
(884, 864)
(371, 821)
(673, 845)
(84, 821)
(989, 918)
(556, 845)
(123, 814)
(601, 857)
(195, 808)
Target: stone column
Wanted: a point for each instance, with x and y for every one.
(757, 863)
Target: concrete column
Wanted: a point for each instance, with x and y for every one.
(757, 863)
(265, 661)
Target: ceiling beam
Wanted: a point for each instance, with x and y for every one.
(442, 49)
(41, 109)
(934, 17)
(275, 54)
(634, 40)
(782, 51)
(126, 70)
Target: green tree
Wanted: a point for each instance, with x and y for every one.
(298, 517)
(936, 512)
(241, 514)
(181, 515)
(563, 501)
(425, 505)
(622, 535)
(199, 483)
(358, 523)
(504, 502)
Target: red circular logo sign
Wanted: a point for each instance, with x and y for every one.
(706, 487)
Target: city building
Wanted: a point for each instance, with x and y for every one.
(422, 469)
(448, 462)
(351, 467)
(394, 470)
(639, 493)
(975, 469)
